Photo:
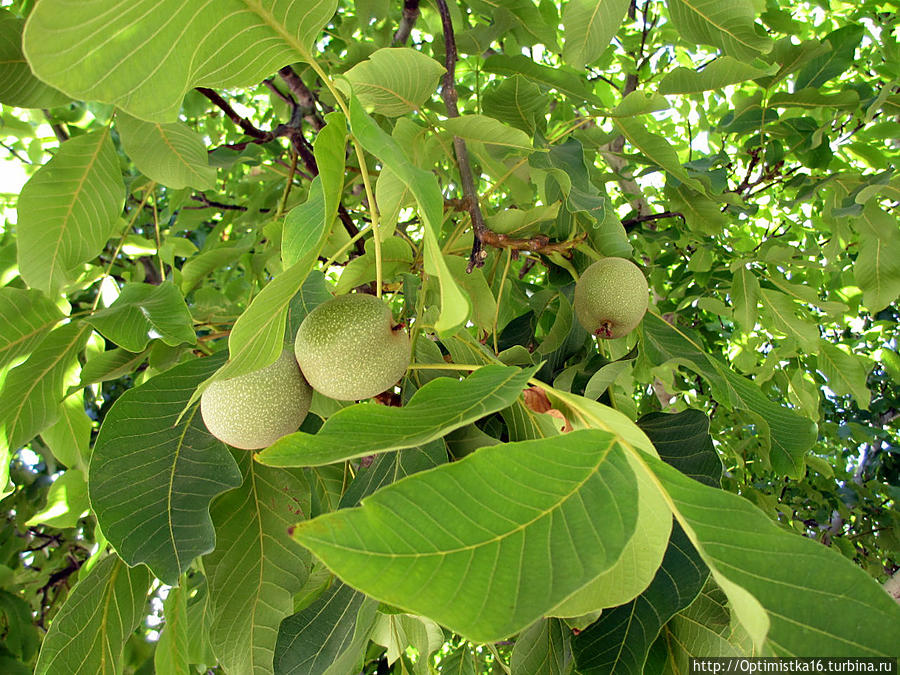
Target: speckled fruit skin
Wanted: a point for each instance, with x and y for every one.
(253, 411)
(348, 348)
(611, 297)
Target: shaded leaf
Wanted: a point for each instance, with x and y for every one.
(256, 567)
(542, 649)
(618, 642)
(171, 655)
(324, 637)
(516, 101)
(18, 86)
(437, 408)
(152, 476)
(798, 597)
(745, 297)
(877, 267)
(846, 373)
(728, 25)
(565, 80)
(389, 468)
(723, 71)
(683, 441)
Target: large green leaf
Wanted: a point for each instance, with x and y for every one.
(256, 567)
(657, 149)
(723, 71)
(524, 535)
(436, 409)
(877, 267)
(395, 80)
(745, 296)
(517, 101)
(789, 592)
(590, 26)
(488, 130)
(847, 374)
(388, 468)
(18, 86)
(89, 633)
(565, 80)
(29, 400)
(424, 186)
(682, 440)
(323, 637)
(728, 25)
(69, 438)
(27, 317)
(153, 476)
(143, 312)
(788, 434)
(170, 154)
(144, 55)
(67, 210)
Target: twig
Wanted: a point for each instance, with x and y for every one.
(245, 124)
(408, 20)
(14, 153)
(539, 243)
(631, 222)
(306, 100)
(209, 203)
(448, 93)
(58, 130)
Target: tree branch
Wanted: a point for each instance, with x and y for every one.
(629, 223)
(410, 14)
(245, 124)
(305, 99)
(448, 93)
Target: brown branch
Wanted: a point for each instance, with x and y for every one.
(14, 153)
(58, 129)
(539, 243)
(209, 203)
(448, 93)
(629, 223)
(410, 14)
(305, 99)
(245, 124)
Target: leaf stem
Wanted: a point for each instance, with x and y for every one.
(500, 297)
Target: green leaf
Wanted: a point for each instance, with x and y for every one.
(434, 410)
(620, 640)
(799, 596)
(69, 438)
(877, 267)
(324, 637)
(67, 501)
(395, 80)
(28, 317)
(171, 654)
(657, 149)
(29, 400)
(828, 64)
(488, 130)
(144, 312)
(846, 373)
(94, 54)
(745, 297)
(589, 28)
(18, 86)
(523, 539)
(98, 616)
(20, 634)
(813, 98)
(517, 101)
(723, 71)
(460, 661)
(727, 25)
(683, 441)
(110, 365)
(565, 80)
(640, 558)
(542, 649)
(782, 311)
(152, 476)
(395, 632)
(256, 567)
(788, 434)
(396, 258)
(171, 154)
(424, 186)
(390, 467)
(68, 209)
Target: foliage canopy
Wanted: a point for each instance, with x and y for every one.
(185, 182)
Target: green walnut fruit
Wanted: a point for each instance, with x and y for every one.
(253, 411)
(611, 297)
(349, 348)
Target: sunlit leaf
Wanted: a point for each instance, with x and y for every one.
(395, 81)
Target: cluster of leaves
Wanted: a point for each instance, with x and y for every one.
(201, 175)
